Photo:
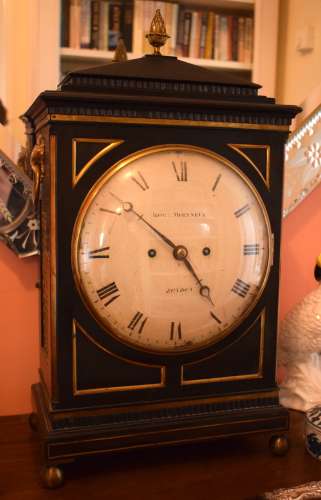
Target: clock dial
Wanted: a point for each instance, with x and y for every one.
(171, 249)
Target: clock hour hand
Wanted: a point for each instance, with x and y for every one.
(204, 290)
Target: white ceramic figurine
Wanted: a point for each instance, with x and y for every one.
(299, 348)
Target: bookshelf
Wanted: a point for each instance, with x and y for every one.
(260, 68)
(32, 30)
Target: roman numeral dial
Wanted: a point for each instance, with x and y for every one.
(240, 288)
(180, 171)
(109, 291)
(138, 322)
(173, 249)
(99, 253)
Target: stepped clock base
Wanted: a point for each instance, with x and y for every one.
(69, 435)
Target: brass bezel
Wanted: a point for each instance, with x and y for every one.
(87, 202)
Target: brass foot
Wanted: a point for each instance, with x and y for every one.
(33, 421)
(52, 477)
(279, 445)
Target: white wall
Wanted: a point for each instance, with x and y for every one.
(298, 74)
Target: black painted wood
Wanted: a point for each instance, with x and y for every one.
(177, 104)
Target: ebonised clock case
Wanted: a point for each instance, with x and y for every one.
(97, 394)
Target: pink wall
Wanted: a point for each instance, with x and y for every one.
(19, 331)
(19, 318)
(301, 244)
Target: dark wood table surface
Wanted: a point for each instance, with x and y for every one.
(221, 470)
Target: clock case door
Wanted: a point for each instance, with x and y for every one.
(89, 380)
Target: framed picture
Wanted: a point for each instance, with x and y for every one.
(19, 224)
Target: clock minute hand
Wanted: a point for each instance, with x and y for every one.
(128, 207)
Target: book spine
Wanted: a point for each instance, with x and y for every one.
(223, 37)
(229, 37)
(114, 24)
(127, 24)
(173, 40)
(168, 8)
(187, 32)
(103, 25)
(65, 16)
(180, 31)
(138, 27)
(217, 38)
(203, 34)
(234, 38)
(94, 25)
(85, 24)
(241, 36)
(209, 35)
(248, 39)
(193, 45)
(74, 24)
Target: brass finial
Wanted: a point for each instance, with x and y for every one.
(120, 53)
(157, 35)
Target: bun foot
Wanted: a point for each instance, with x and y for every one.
(279, 445)
(52, 477)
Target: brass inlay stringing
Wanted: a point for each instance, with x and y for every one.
(164, 442)
(105, 178)
(247, 376)
(239, 148)
(48, 254)
(160, 121)
(79, 392)
(53, 261)
(111, 144)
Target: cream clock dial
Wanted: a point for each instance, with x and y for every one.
(172, 248)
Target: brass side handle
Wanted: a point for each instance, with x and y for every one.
(37, 162)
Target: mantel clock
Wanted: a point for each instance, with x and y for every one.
(160, 222)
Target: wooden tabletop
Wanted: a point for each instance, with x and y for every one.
(226, 469)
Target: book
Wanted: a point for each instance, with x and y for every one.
(248, 39)
(127, 19)
(64, 28)
(114, 17)
(234, 38)
(187, 23)
(223, 36)
(85, 24)
(203, 31)
(94, 24)
(241, 37)
(195, 34)
(209, 35)
(74, 24)
(103, 25)
(217, 38)
(180, 31)
(138, 27)
(173, 39)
